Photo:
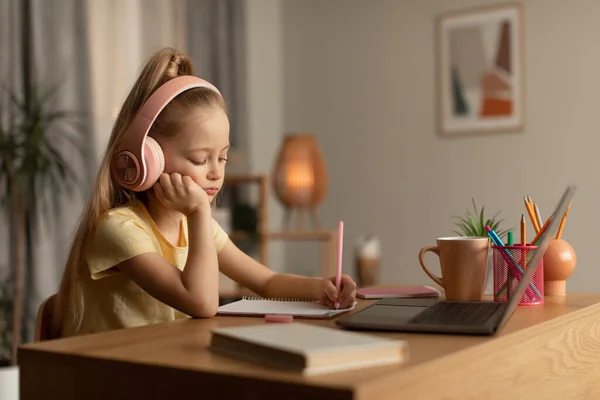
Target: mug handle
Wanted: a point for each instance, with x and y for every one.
(436, 250)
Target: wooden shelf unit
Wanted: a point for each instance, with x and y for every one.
(262, 210)
(327, 238)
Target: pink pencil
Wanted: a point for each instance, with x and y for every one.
(338, 272)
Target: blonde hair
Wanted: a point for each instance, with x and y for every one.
(106, 194)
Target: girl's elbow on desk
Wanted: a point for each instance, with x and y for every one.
(200, 303)
(203, 309)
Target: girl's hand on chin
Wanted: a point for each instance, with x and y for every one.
(180, 193)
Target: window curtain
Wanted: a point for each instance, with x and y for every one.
(123, 36)
(217, 47)
(96, 49)
(44, 43)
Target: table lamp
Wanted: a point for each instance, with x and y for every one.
(300, 178)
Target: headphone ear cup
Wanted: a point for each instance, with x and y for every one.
(155, 163)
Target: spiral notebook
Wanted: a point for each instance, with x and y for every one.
(259, 306)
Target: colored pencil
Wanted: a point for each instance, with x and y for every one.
(538, 223)
(523, 257)
(513, 266)
(531, 214)
(541, 232)
(563, 220)
(338, 272)
(523, 231)
(537, 214)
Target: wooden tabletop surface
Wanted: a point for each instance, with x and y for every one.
(562, 334)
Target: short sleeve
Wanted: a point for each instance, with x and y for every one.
(221, 237)
(118, 237)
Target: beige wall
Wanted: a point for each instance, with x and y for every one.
(360, 74)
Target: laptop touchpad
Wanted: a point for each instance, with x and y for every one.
(380, 314)
(397, 311)
(423, 302)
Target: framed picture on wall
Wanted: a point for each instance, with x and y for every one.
(480, 70)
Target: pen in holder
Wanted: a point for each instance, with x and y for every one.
(506, 279)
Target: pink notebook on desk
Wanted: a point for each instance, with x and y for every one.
(258, 307)
(404, 291)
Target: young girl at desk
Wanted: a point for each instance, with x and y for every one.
(147, 249)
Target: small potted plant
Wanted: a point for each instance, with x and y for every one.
(473, 224)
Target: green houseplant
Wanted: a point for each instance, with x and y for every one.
(35, 139)
(474, 223)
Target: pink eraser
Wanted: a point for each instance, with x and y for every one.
(279, 318)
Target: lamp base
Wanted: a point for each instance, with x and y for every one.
(301, 218)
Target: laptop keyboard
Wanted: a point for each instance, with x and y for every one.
(457, 313)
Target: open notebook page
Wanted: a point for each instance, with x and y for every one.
(266, 306)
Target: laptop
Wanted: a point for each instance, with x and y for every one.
(454, 317)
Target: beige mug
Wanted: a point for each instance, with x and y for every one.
(463, 262)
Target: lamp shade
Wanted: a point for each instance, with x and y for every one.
(300, 176)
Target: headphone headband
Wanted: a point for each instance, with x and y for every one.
(133, 143)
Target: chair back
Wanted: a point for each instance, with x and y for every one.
(43, 322)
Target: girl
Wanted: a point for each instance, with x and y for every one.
(147, 249)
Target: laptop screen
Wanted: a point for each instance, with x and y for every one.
(539, 252)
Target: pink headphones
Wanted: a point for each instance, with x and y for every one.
(140, 160)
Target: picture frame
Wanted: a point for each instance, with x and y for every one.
(480, 70)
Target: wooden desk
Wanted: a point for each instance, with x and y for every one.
(546, 352)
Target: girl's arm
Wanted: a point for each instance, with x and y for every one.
(193, 291)
(250, 273)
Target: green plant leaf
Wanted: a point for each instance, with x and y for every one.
(495, 215)
(465, 229)
(481, 225)
(496, 224)
(471, 222)
(474, 221)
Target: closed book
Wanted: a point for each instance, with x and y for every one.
(307, 349)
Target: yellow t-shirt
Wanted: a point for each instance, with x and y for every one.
(112, 300)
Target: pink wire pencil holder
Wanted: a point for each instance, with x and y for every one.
(507, 275)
